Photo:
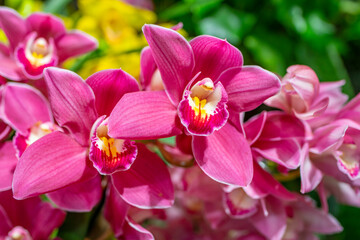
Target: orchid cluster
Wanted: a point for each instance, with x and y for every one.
(175, 154)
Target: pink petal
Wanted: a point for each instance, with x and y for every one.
(23, 106)
(8, 161)
(147, 183)
(78, 197)
(5, 225)
(52, 162)
(272, 225)
(13, 25)
(284, 152)
(133, 230)
(115, 210)
(315, 110)
(46, 25)
(4, 130)
(74, 43)
(239, 205)
(109, 86)
(248, 86)
(264, 184)
(344, 193)
(27, 212)
(213, 56)
(254, 126)
(148, 67)
(224, 156)
(328, 138)
(9, 69)
(72, 102)
(310, 175)
(144, 115)
(174, 58)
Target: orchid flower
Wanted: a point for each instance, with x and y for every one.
(206, 87)
(27, 219)
(82, 153)
(37, 42)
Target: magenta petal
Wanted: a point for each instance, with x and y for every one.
(115, 210)
(328, 138)
(4, 130)
(343, 193)
(239, 205)
(9, 69)
(248, 86)
(74, 43)
(52, 162)
(78, 197)
(254, 126)
(72, 102)
(13, 25)
(45, 25)
(213, 56)
(272, 225)
(174, 58)
(310, 175)
(5, 225)
(264, 184)
(23, 106)
(8, 161)
(147, 183)
(109, 86)
(133, 230)
(38, 217)
(224, 156)
(144, 115)
(148, 67)
(284, 152)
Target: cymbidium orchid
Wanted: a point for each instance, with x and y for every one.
(29, 219)
(206, 87)
(66, 161)
(304, 96)
(37, 42)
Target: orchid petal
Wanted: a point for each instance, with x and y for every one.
(147, 183)
(272, 225)
(109, 86)
(72, 102)
(133, 230)
(213, 56)
(239, 205)
(224, 156)
(254, 126)
(284, 152)
(115, 210)
(328, 138)
(4, 130)
(5, 225)
(78, 197)
(9, 69)
(74, 43)
(45, 25)
(248, 86)
(23, 106)
(144, 115)
(344, 193)
(8, 161)
(264, 183)
(310, 175)
(174, 58)
(148, 67)
(52, 162)
(13, 25)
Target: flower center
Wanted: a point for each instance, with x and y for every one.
(18, 233)
(38, 51)
(110, 155)
(349, 160)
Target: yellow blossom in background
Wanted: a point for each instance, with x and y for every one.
(117, 22)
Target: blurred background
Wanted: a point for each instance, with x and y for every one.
(274, 34)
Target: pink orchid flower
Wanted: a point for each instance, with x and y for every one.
(29, 219)
(205, 87)
(278, 137)
(37, 42)
(299, 93)
(69, 159)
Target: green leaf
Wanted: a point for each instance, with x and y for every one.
(55, 6)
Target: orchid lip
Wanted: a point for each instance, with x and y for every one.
(37, 131)
(348, 160)
(203, 108)
(110, 155)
